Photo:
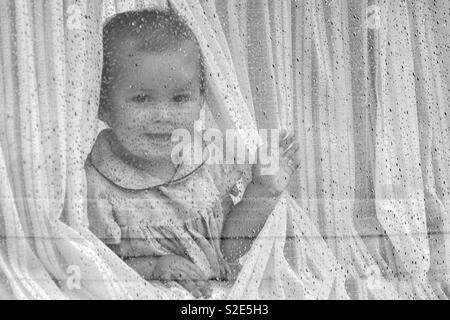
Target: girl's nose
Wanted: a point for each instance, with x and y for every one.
(161, 113)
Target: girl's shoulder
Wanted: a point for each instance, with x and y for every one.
(97, 185)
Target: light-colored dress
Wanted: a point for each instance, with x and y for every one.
(131, 212)
(288, 260)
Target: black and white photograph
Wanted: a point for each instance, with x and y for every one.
(224, 150)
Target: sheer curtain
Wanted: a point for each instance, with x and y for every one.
(363, 84)
(49, 75)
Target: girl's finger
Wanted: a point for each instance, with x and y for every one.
(183, 272)
(173, 272)
(292, 168)
(235, 191)
(191, 286)
(204, 288)
(208, 250)
(286, 140)
(283, 134)
(291, 150)
(291, 165)
(225, 270)
(198, 274)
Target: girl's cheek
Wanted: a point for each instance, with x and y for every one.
(132, 114)
(191, 111)
(186, 120)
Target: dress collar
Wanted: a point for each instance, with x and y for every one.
(125, 175)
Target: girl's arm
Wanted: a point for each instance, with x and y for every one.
(143, 265)
(246, 220)
(248, 217)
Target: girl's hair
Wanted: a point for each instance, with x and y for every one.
(155, 31)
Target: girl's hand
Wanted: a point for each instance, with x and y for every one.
(183, 271)
(288, 164)
(224, 269)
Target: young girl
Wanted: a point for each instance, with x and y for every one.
(168, 222)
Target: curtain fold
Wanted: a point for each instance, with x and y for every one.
(434, 137)
(399, 184)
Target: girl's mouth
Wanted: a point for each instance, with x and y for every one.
(160, 137)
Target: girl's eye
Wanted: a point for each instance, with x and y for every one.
(182, 98)
(141, 98)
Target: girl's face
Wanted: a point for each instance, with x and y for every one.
(154, 94)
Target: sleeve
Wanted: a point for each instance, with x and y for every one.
(231, 180)
(100, 211)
